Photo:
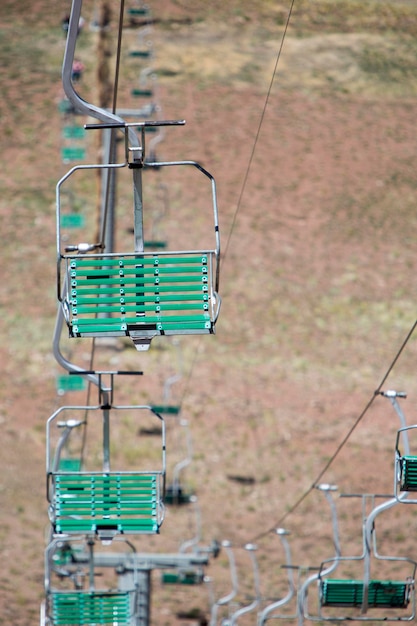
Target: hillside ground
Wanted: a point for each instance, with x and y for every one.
(316, 175)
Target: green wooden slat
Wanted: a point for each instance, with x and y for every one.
(171, 289)
(132, 260)
(154, 319)
(142, 54)
(166, 409)
(90, 502)
(98, 308)
(138, 271)
(81, 301)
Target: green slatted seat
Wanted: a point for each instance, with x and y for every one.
(73, 132)
(84, 608)
(140, 296)
(65, 382)
(408, 473)
(349, 593)
(142, 93)
(106, 503)
(69, 154)
(167, 409)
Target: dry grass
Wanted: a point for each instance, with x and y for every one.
(316, 283)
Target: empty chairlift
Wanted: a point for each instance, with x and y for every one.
(103, 501)
(405, 473)
(139, 294)
(364, 598)
(74, 595)
(405, 465)
(274, 609)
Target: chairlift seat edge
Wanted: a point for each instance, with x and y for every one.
(349, 593)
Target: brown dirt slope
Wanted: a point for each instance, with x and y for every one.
(316, 175)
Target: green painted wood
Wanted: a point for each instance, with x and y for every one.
(73, 132)
(156, 293)
(182, 578)
(72, 220)
(349, 593)
(67, 382)
(138, 11)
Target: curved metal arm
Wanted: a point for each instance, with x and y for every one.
(264, 615)
(327, 490)
(223, 601)
(251, 548)
(79, 104)
(185, 462)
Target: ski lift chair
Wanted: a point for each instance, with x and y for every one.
(73, 597)
(106, 502)
(138, 294)
(270, 611)
(387, 599)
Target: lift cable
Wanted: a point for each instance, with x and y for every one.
(342, 443)
(255, 143)
(245, 178)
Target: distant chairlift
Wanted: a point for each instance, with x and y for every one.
(388, 599)
(139, 294)
(272, 610)
(190, 575)
(108, 502)
(405, 465)
(85, 603)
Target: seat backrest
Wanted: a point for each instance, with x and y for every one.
(83, 608)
